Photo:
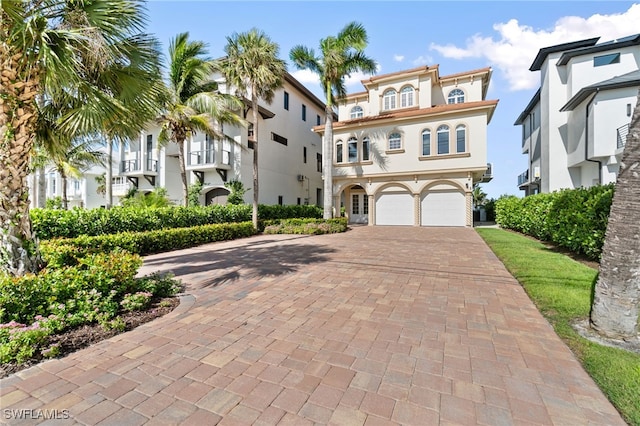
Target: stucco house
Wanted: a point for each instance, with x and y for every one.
(290, 154)
(575, 126)
(408, 149)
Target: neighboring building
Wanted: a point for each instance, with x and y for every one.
(575, 126)
(290, 154)
(408, 150)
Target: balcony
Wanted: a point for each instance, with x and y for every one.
(622, 133)
(135, 166)
(488, 174)
(200, 160)
(523, 178)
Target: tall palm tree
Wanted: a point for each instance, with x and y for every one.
(616, 303)
(339, 57)
(192, 101)
(252, 66)
(41, 46)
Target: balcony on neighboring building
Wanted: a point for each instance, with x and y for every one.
(120, 186)
(621, 133)
(133, 169)
(488, 174)
(523, 178)
(212, 156)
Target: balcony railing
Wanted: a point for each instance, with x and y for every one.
(622, 133)
(132, 166)
(523, 178)
(201, 157)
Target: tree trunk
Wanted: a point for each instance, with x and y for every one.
(108, 185)
(183, 172)
(327, 162)
(42, 188)
(65, 201)
(18, 90)
(254, 107)
(616, 302)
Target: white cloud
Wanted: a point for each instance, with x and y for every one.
(422, 60)
(517, 45)
(398, 58)
(306, 77)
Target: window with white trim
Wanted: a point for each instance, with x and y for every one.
(339, 151)
(395, 141)
(356, 112)
(389, 99)
(406, 97)
(352, 150)
(461, 138)
(443, 139)
(456, 96)
(365, 148)
(426, 142)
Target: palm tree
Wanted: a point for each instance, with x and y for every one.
(339, 57)
(42, 43)
(252, 66)
(616, 302)
(192, 102)
(479, 196)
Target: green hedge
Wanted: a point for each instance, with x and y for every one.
(50, 223)
(61, 252)
(304, 226)
(573, 218)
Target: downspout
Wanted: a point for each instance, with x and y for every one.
(586, 139)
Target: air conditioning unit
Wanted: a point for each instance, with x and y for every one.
(300, 178)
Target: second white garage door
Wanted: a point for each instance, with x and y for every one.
(394, 208)
(443, 208)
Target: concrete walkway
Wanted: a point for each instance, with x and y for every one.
(380, 325)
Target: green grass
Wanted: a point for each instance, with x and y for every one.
(561, 289)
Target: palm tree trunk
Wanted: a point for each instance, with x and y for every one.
(108, 185)
(65, 201)
(254, 107)
(183, 174)
(616, 301)
(327, 162)
(42, 188)
(18, 90)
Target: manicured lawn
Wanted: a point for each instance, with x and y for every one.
(561, 289)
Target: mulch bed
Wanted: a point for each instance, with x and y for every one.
(83, 336)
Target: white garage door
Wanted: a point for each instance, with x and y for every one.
(446, 208)
(394, 208)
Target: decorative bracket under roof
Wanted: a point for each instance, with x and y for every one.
(150, 179)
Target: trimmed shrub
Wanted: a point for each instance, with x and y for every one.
(574, 218)
(304, 226)
(48, 223)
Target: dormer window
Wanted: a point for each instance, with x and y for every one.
(456, 96)
(389, 99)
(406, 97)
(356, 112)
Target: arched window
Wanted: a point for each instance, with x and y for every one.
(339, 151)
(443, 139)
(356, 112)
(456, 96)
(352, 149)
(461, 138)
(406, 97)
(365, 148)
(389, 99)
(395, 141)
(426, 142)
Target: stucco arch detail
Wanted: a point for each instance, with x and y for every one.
(456, 185)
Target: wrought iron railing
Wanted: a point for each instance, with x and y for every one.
(523, 178)
(202, 157)
(622, 133)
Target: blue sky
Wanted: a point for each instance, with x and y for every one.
(456, 35)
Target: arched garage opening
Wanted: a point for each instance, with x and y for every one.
(216, 196)
(394, 206)
(443, 205)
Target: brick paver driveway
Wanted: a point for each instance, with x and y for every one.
(380, 325)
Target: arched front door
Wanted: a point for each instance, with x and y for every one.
(216, 196)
